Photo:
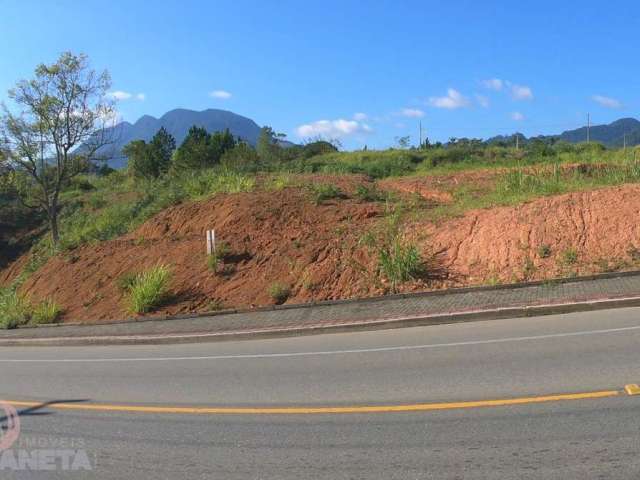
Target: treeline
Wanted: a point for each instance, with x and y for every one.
(201, 149)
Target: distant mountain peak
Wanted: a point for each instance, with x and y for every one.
(178, 122)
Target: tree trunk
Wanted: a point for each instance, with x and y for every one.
(53, 225)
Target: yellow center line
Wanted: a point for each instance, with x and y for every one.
(419, 407)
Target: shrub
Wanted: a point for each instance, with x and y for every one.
(150, 289)
(279, 292)
(325, 191)
(46, 311)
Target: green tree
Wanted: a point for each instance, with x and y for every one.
(241, 157)
(163, 145)
(57, 130)
(267, 146)
(201, 150)
(140, 159)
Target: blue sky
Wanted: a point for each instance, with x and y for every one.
(365, 72)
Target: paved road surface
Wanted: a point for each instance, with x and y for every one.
(586, 352)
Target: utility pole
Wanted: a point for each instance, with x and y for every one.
(517, 142)
(420, 144)
(588, 127)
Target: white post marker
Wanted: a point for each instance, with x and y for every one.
(211, 241)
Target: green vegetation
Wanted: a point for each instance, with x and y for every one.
(17, 310)
(55, 132)
(126, 281)
(149, 290)
(398, 261)
(150, 160)
(46, 311)
(369, 193)
(324, 191)
(569, 256)
(279, 292)
(221, 251)
(544, 251)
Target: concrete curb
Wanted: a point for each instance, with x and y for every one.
(324, 328)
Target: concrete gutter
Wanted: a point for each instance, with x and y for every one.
(317, 328)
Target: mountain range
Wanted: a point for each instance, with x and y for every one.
(611, 135)
(177, 122)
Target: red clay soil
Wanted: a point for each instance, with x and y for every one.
(274, 237)
(283, 237)
(506, 244)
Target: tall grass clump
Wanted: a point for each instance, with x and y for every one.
(46, 311)
(17, 309)
(279, 292)
(149, 289)
(398, 261)
(202, 183)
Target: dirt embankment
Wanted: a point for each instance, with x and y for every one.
(576, 233)
(279, 236)
(283, 236)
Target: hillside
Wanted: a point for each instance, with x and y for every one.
(611, 135)
(177, 122)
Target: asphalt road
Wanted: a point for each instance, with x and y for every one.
(501, 359)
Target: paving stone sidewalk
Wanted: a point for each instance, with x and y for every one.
(376, 310)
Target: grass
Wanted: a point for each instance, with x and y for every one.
(569, 256)
(325, 191)
(369, 193)
(279, 292)
(221, 251)
(149, 290)
(397, 260)
(17, 310)
(46, 311)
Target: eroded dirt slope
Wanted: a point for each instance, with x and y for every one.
(283, 236)
(273, 237)
(576, 233)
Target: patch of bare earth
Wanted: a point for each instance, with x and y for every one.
(535, 240)
(279, 236)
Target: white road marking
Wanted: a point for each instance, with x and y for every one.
(327, 352)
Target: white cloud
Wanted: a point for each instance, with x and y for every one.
(223, 94)
(119, 95)
(453, 100)
(360, 116)
(122, 95)
(332, 128)
(607, 102)
(412, 113)
(521, 92)
(517, 116)
(483, 101)
(493, 84)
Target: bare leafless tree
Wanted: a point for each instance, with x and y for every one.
(58, 125)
